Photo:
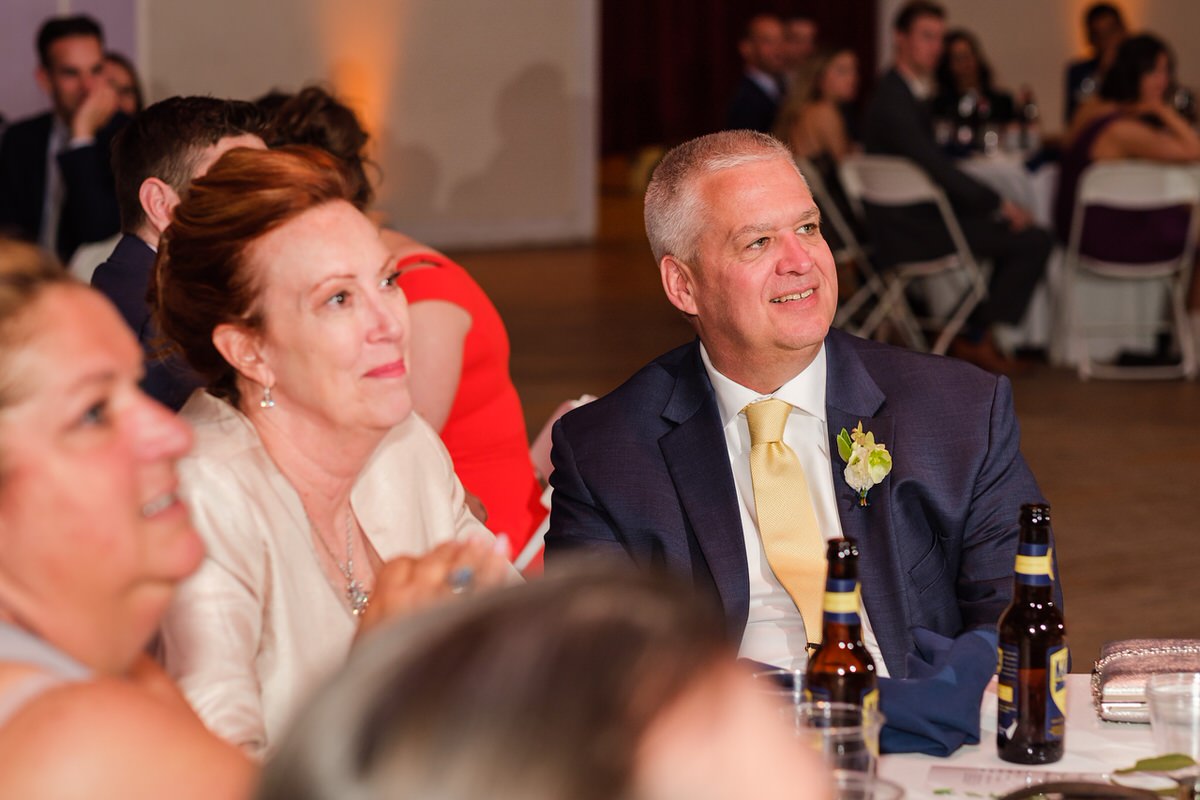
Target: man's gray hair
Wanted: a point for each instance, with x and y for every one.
(674, 217)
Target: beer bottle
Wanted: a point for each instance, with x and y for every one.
(841, 670)
(1033, 653)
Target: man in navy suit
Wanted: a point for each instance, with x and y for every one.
(56, 187)
(163, 150)
(756, 99)
(658, 471)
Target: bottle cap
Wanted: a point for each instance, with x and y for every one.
(1035, 514)
(840, 548)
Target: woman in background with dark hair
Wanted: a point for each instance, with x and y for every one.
(597, 685)
(962, 73)
(1130, 118)
(122, 76)
(459, 349)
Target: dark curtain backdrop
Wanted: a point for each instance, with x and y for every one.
(668, 67)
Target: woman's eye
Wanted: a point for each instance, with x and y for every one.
(337, 299)
(390, 281)
(95, 415)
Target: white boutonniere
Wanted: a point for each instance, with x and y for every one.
(867, 462)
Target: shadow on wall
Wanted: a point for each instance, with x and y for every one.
(409, 181)
(532, 175)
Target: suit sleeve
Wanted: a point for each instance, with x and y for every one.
(992, 530)
(898, 130)
(577, 522)
(90, 206)
(10, 190)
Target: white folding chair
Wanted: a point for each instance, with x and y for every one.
(1133, 186)
(871, 287)
(890, 181)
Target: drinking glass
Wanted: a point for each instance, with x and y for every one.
(849, 785)
(846, 735)
(1174, 700)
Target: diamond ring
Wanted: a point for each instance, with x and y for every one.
(461, 579)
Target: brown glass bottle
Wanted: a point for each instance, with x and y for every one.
(841, 670)
(1033, 654)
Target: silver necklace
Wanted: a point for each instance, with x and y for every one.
(356, 593)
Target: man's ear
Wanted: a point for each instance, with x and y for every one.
(43, 80)
(242, 348)
(679, 283)
(158, 201)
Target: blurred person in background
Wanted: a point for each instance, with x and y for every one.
(799, 42)
(965, 85)
(56, 187)
(1104, 29)
(122, 76)
(758, 94)
(1131, 117)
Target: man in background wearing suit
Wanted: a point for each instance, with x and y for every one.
(899, 123)
(758, 94)
(155, 157)
(56, 187)
(659, 471)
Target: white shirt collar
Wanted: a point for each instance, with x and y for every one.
(765, 81)
(805, 391)
(922, 88)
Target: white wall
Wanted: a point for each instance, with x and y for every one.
(1030, 41)
(483, 114)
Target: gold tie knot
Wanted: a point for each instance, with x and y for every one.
(767, 419)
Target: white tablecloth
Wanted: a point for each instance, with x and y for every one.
(1093, 747)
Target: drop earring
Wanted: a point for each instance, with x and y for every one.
(267, 401)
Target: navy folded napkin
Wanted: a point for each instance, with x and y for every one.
(935, 710)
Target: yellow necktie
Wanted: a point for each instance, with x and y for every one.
(787, 524)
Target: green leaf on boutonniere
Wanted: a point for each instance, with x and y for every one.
(1160, 764)
(844, 445)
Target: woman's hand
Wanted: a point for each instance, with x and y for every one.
(407, 584)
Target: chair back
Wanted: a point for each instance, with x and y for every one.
(1134, 186)
(892, 181)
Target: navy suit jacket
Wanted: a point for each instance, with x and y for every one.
(89, 211)
(751, 108)
(125, 279)
(644, 472)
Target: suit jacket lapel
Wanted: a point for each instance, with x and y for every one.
(851, 396)
(697, 459)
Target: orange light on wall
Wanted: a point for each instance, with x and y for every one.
(358, 41)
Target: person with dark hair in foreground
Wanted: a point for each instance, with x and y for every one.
(591, 685)
(56, 187)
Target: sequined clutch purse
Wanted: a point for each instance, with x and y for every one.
(1119, 676)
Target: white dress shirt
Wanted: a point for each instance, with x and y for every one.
(775, 632)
